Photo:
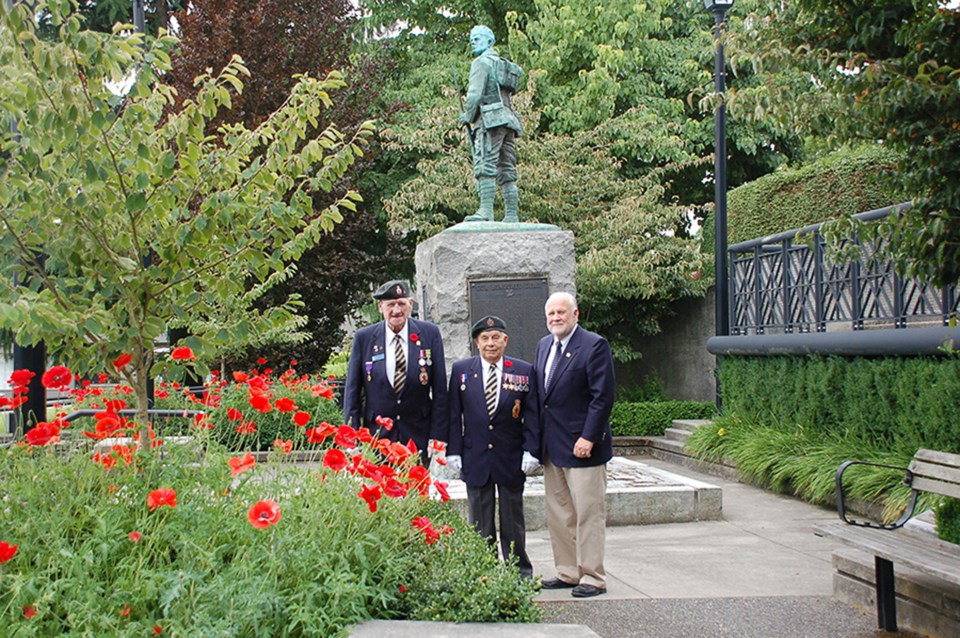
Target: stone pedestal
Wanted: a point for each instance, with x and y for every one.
(527, 262)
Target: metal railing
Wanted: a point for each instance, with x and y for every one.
(785, 284)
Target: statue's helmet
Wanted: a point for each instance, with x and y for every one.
(484, 31)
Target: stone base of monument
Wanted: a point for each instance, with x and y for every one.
(637, 494)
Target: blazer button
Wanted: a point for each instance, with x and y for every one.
(398, 401)
(490, 426)
(489, 446)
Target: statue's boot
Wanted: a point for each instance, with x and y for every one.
(511, 202)
(487, 189)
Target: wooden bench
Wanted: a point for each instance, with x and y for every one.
(929, 471)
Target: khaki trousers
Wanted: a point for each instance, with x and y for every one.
(577, 519)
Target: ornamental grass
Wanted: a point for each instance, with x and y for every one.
(100, 535)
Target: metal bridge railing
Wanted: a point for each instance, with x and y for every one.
(783, 284)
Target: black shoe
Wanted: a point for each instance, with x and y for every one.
(556, 583)
(587, 591)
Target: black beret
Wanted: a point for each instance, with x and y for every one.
(396, 289)
(488, 323)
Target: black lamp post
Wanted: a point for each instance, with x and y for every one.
(719, 10)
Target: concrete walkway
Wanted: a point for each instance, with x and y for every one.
(757, 573)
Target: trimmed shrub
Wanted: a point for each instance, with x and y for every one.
(654, 417)
(896, 402)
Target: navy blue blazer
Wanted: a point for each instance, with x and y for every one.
(579, 400)
(492, 447)
(420, 412)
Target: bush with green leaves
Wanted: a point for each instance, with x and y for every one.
(194, 540)
(792, 434)
(948, 520)
(897, 402)
(652, 418)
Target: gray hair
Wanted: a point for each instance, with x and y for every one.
(566, 296)
(486, 31)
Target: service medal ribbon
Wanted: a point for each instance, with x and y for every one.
(516, 409)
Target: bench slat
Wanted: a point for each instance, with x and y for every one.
(933, 486)
(938, 458)
(928, 555)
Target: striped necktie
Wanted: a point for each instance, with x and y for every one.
(490, 390)
(400, 371)
(553, 365)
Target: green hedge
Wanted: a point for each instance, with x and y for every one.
(654, 417)
(843, 183)
(899, 402)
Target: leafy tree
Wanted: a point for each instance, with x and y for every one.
(280, 39)
(885, 71)
(145, 221)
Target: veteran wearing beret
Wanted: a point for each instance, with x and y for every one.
(397, 372)
(495, 435)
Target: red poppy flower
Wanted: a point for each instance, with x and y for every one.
(43, 434)
(161, 393)
(293, 363)
(258, 385)
(346, 437)
(263, 514)
(260, 403)
(183, 353)
(7, 551)
(430, 535)
(414, 337)
(164, 497)
(335, 459)
(135, 536)
(201, 421)
(125, 611)
(402, 589)
(371, 495)
(394, 488)
(157, 630)
(322, 390)
(301, 418)
(385, 422)
(21, 378)
(420, 477)
(240, 377)
(285, 404)
(115, 405)
(283, 447)
(442, 490)
(396, 453)
(29, 611)
(261, 361)
(122, 361)
(507, 363)
(239, 465)
(56, 378)
(437, 446)
(247, 427)
(234, 414)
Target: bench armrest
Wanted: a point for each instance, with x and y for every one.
(841, 505)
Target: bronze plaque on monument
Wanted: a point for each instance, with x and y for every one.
(519, 302)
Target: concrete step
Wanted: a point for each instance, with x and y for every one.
(677, 434)
(690, 425)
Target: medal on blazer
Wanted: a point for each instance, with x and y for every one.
(368, 366)
(516, 409)
(423, 361)
(463, 382)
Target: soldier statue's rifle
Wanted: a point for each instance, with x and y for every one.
(463, 108)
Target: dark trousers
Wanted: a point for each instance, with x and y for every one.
(513, 535)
